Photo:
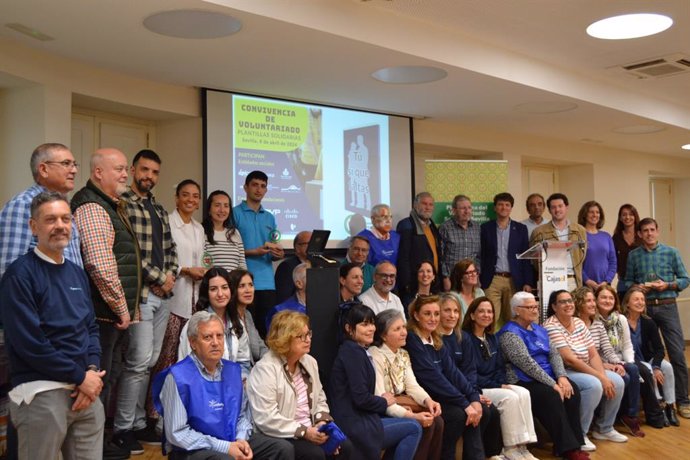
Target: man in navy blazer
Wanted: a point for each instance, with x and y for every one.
(502, 273)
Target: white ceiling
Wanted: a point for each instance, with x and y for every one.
(498, 54)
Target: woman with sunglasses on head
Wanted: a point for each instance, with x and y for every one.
(464, 283)
(286, 395)
(584, 367)
(513, 402)
(535, 364)
(434, 369)
(360, 413)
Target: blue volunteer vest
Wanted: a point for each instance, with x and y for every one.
(537, 342)
(212, 407)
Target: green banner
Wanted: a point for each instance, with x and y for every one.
(479, 180)
(261, 125)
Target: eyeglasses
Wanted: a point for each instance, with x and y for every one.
(387, 276)
(565, 301)
(67, 164)
(471, 272)
(529, 307)
(387, 218)
(305, 337)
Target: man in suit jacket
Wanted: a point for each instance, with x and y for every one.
(502, 273)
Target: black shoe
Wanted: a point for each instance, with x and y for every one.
(670, 413)
(126, 440)
(113, 452)
(148, 435)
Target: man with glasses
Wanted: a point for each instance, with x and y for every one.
(358, 253)
(459, 238)
(283, 277)
(296, 302)
(379, 297)
(53, 168)
(383, 240)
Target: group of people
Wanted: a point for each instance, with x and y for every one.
(208, 348)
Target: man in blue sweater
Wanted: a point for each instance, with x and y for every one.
(52, 343)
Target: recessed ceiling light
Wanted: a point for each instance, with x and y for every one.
(543, 107)
(192, 24)
(639, 129)
(629, 26)
(685, 147)
(409, 74)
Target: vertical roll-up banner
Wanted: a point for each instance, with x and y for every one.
(479, 180)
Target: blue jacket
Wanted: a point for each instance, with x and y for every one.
(438, 375)
(521, 270)
(352, 401)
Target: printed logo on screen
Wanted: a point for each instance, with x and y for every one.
(285, 175)
(291, 213)
(291, 189)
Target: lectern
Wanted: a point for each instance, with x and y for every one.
(552, 265)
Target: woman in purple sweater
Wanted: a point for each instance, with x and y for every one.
(599, 266)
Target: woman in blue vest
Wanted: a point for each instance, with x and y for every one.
(534, 364)
(356, 409)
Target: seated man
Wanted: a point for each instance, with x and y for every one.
(358, 252)
(379, 297)
(298, 301)
(203, 403)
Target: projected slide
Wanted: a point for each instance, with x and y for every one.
(325, 165)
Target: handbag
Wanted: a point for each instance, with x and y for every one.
(410, 404)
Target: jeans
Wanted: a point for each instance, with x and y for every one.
(591, 396)
(631, 398)
(669, 387)
(402, 435)
(668, 320)
(145, 340)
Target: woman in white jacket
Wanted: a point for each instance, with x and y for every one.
(285, 392)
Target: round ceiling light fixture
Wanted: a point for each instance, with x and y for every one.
(628, 26)
(194, 24)
(685, 147)
(409, 74)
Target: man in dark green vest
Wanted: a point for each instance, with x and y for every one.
(111, 259)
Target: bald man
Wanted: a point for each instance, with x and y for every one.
(111, 254)
(283, 277)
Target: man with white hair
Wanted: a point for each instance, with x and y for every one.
(203, 403)
(298, 301)
(383, 240)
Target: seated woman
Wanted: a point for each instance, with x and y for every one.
(437, 374)
(285, 393)
(394, 375)
(597, 386)
(649, 354)
(618, 336)
(227, 295)
(535, 364)
(454, 339)
(464, 283)
(513, 402)
(358, 411)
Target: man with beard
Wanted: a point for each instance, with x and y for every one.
(52, 343)
(111, 259)
(419, 241)
(159, 266)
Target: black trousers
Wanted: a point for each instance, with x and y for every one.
(264, 300)
(653, 414)
(561, 419)
(454, 418)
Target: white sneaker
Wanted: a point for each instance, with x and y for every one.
(526, 454)
(512, 453)
(612, 435)
(588, 446)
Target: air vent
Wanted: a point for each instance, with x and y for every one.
(659, 67)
